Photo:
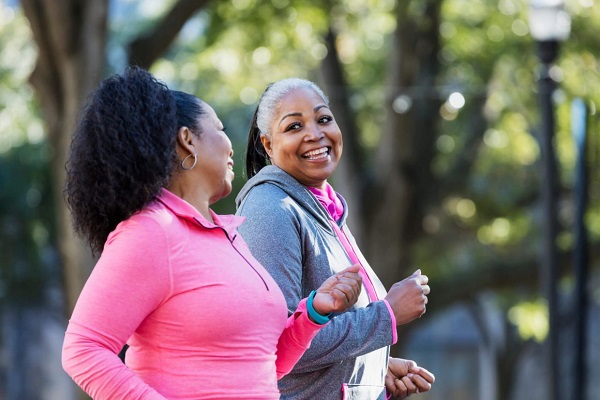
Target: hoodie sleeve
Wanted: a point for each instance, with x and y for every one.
(274, 232)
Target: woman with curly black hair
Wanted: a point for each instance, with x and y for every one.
(174, 280)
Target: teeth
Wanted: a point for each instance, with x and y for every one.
(314, 153)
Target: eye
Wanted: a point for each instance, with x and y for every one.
(325, 119)
(293, 126)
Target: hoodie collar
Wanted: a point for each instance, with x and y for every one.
(183, 209)
(300, 193)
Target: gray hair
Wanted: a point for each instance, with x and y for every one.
(270, 100)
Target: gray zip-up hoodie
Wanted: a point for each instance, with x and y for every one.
(289, 232)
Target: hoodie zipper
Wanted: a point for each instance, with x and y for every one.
(237, 251)
(342, 237)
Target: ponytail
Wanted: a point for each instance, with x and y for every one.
(122, 153)
(256, 156)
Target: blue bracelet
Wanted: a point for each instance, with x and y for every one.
(318, 318)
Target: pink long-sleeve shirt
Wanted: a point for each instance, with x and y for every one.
(203, 319)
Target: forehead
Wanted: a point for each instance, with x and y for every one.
(208, 110)
(300, 97)
(209, 113)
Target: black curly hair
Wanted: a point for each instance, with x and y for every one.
(123, 150)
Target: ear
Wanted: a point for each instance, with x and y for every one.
(185, 140)
(266, 142)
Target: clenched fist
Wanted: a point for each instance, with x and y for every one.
(408, 298)
(338, 292)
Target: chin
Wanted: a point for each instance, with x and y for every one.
(324, 175)
(227, 191)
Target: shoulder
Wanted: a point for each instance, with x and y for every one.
(269, 202)
(148, 226)
(265, 192)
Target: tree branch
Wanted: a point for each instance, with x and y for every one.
(148, 47)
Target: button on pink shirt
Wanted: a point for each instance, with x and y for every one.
(204, 320)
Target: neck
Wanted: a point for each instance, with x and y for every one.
(195, 196)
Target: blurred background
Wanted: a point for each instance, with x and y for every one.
(471, 151)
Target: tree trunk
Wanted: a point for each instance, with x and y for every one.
(71, 40)
(70, 36)
(394, 208)
(349, 173)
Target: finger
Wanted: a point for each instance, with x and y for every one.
(410, 365)
(423, 279)
(423, 373)
(346, 284)
(353, 280)
(401, 390)
(350, 278)
(409, 384)
(351, 288)
(339, 296)
(400, 367)
(355, 268)
(417, 272)
(389, 383)
(419, 382)
(343, 296)
(426, 289)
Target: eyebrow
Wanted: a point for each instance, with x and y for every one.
(297, 114)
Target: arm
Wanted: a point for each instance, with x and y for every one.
(295, 339)
(129, 281)
(348, 335)
(336, 294)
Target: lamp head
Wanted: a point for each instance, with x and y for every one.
(548, 20)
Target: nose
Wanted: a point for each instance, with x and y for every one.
(230, 146)
(313, 133)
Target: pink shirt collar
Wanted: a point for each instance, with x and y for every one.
(182, 208)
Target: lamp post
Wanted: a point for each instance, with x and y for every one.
(549, 24)
(580, 250)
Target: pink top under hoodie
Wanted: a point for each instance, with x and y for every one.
(203, 319)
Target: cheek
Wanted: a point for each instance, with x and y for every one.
(281, 150)
(338, 140)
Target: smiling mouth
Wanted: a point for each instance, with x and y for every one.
(318, 154)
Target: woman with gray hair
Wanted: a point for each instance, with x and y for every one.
(296, 227)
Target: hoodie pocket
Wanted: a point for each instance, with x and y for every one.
(362, 392)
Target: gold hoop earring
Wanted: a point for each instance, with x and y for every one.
(183, 167)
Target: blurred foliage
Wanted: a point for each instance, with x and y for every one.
(228, 54)
(531, 318)
(26, 204)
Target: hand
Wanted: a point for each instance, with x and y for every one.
(408, 297)
(338, 292)
(404, 378)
